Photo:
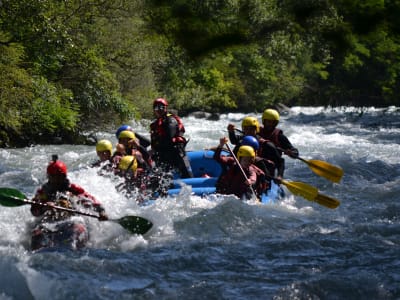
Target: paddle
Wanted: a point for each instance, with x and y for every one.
(319, 167)
(310, 193)
(327, 201)
(11, 198)
(241, 169)
(302, 189)
(324, 169)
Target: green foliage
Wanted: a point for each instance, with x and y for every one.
(51, 111)
(15, 89)
(73, 66)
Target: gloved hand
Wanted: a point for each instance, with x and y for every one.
(293, 153)
(64, 203)
(231, 127)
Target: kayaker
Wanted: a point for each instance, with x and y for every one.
(57, 184)
(232, 180)
(273, 142)
(167, 141)
(59, 191)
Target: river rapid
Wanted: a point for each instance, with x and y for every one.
(219, 247)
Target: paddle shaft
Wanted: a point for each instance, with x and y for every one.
(319, 167)
(27, 201)
(134, 224)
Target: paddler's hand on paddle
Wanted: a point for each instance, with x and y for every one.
(231, 127)
(223, 141)
(278, 179)
(293, 153)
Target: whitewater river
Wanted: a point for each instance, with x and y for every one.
(219, 247)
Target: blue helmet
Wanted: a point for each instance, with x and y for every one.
(123, 128)
(250, 140)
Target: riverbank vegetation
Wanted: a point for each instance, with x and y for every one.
(69, 67)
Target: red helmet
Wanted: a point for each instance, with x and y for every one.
(57, 167)
(160, 101)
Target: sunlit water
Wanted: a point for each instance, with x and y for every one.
(219, 247)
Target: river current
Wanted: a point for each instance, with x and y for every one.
(219, 247)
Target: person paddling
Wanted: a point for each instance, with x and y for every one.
(270, 132)
(232, 180)
(268, 158)
(59, 191)
(250, 127)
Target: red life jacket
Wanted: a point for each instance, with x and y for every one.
(162, 135)
(232, 181)
(272, 137)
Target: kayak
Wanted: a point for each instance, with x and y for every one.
(206, 172)
(59, 230)
(68, 234)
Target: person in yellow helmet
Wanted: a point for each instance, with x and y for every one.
(107, 161)
(132, 179)
(268, 158)
(270, 132)
(273, 142)
(232, 180)
(250, 127)
(129, 144)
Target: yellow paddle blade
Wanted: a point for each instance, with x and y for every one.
(325, 169)
(301, 189)
(327, 201)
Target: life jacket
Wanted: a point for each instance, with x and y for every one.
(232, 181)
(273, 136)
(165, 134)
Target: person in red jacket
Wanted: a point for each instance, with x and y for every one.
(59, 191)
(167, 141)
(58, 184)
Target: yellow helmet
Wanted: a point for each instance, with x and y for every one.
(270, 114)
(127, 134)
(104, 145)
(251, 121)
(246, 151)
(128, 162)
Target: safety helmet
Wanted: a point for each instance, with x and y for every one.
(160, 101)
(104, 145)
(127, 134)
(128, 162)
(246, 151)
(57, 167)
(251, 141)
(251, 121)
(122, 128)
(270, 114)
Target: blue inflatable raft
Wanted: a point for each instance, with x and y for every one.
(206, 172)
